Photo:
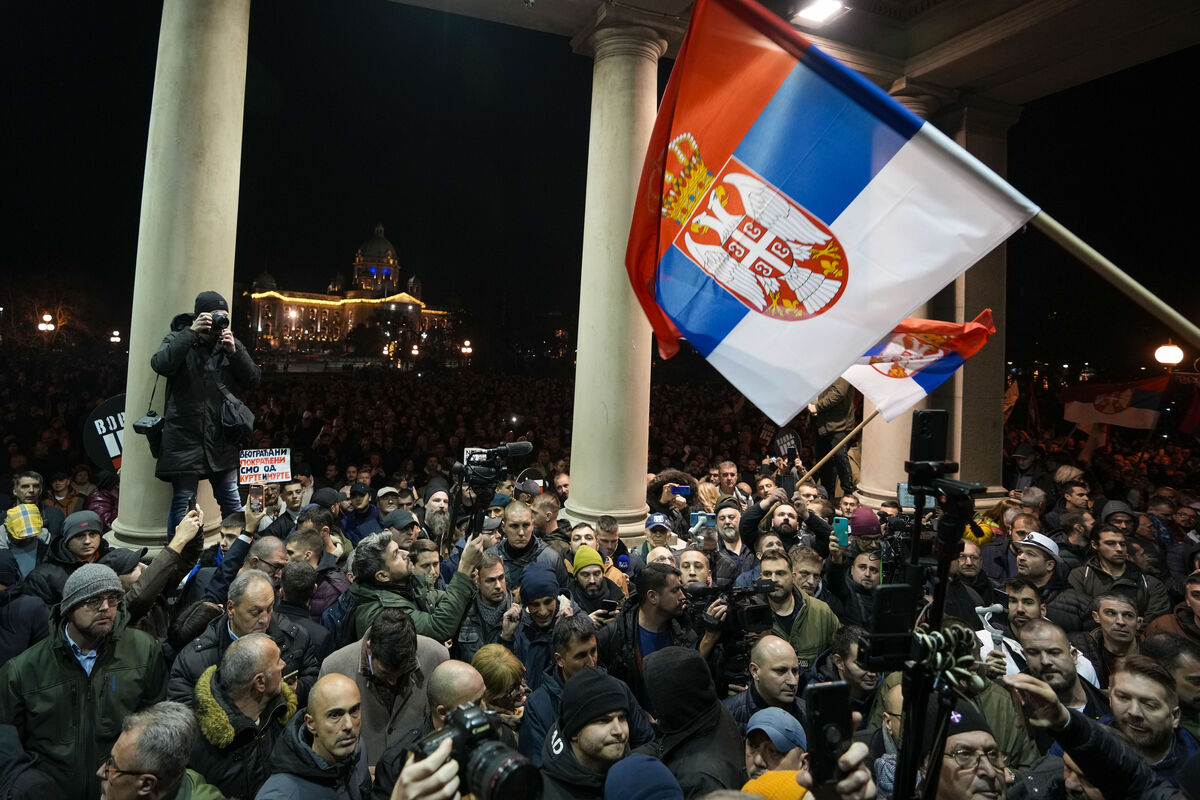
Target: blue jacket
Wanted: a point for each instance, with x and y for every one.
(357, 527)
(534, 646)
(743, 705)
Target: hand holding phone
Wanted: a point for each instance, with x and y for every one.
(682, 490)
(841, 529)
(255, 498)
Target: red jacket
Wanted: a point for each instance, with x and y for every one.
(104, 504)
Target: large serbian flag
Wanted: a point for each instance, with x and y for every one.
(916, 358)
(1130, 405)
(790, 214)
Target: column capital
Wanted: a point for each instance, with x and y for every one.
(984, 116)
(920, 97)
(617, 30)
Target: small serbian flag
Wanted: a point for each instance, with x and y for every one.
(790, 213)
(916, 358)
(1130, 405)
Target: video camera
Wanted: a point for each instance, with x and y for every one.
(748, 614)
(482, 469)
(488, 768)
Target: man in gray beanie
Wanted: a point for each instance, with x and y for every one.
(68, 694)
(205, 367)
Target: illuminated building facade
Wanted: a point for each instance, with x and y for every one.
(284, 321)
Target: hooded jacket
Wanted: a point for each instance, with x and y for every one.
(541, 715)
(1065, 607)
(300, 774)
(534, 647)
(619, 651)
(1180, 622)
(609, 591)
(48, 578)
(563, 777)
(1150, 594)
(331, 582)
(857, 603)
(194, 441)
(207, 650)
(231, 752)
(68, 718)
(823, 670)
(537, 550)
(699, 741)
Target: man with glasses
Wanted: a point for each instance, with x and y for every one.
(149, 759)
(68, 694)
(249, 609)
(972, 766)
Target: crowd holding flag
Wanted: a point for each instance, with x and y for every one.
(1130, 405)
(790, 213)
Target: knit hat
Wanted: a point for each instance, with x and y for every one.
(123, 560)
(965, 718)
(641, 777)
(864, 523)
(784, 731)
(776, 784)
(436, 485)
(87, 582)
(585, 557)
(326, 497)
(538, 581)
(210, 301)
(680, 687)
(23, 521)
(727, 501)
(81, 522)
(590, 693)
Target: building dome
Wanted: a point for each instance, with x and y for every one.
(265, 282)
(377, 249)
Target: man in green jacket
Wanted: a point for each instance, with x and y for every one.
(68, 694)
(804, 622)
(385, 578)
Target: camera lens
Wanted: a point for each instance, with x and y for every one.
(497, 772)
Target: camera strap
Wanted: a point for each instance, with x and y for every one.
(153, 389)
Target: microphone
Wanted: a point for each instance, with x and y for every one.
(505, 450)
(623, 563)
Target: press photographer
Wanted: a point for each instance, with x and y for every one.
(205, 424)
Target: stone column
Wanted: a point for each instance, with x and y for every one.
(188, 225)
(975, 395)
(885, 445)
(612, 374)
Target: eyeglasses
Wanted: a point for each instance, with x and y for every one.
(965, 557)
(970, 759)
(273, 567)
(110, 767)
(95, 603)
(517, 692)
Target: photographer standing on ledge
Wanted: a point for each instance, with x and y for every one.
(201, 360)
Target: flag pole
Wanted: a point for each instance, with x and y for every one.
(837, 447)
(1053, 229)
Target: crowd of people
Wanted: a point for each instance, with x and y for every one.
(333, 631)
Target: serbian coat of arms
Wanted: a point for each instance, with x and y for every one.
(752, 239)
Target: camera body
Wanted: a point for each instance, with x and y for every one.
(748, 611)
(220, 321)
(488, 768)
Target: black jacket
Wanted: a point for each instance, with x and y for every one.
(24, 621)
(297, 775)
(743, 705)
(318, 634)
(207, 649)
(704, 756)
(194, 443)
(610, 591)
(563, 777)
(231, 752)
(620, 654)
(48, 578)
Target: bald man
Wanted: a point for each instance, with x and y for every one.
(452, 684)
(661, 555)
(321, 755)
(774, 682)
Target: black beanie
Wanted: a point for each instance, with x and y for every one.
(680, 686)
(210, 301)
(965, 718)
(590, 693)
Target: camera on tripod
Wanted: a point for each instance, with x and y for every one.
(488, 768)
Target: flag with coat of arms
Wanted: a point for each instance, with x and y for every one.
(790, 213)
(1130, 405)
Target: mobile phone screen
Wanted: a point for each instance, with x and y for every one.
(841, 529)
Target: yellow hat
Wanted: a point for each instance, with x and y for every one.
(776, 785)
(585, 557)
(24, 521)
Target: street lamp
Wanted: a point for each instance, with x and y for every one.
(115, 338)
(1169, 355)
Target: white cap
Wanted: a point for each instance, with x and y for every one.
(1041, 541)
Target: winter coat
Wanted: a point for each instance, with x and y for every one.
(743, 705)
(563, 777)
(105, 504)
(1065, 607)
(70, 503)
(435, 614)
(541, 715)
(207, 649)
(539, 551)
(194, 441)
(534, 647)
(824, 670)
(318, 634)
(48, 578)
(358, 526)
(299, 775)
(474, 633)
(1183, 747)
(835, 409)
(587, 604)
(619, 653)
(680, 518)
(706, 755)
(1091, 646)
(857, 603)
(331, 582)
(146, 600)
(812, 628)
(999, 561)
(24, 621)
(69, 719)
(384, 720)
(1150, 593)
(231, 752)
(19, 778)
(1180, 622)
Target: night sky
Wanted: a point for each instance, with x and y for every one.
(468, 141)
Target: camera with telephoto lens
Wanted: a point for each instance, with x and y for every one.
(220, 321)
(488, 768)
